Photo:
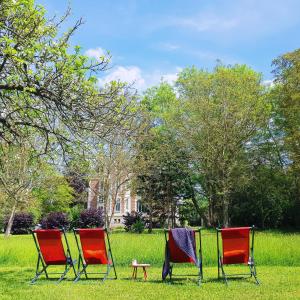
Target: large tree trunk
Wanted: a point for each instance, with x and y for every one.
(195, 201)
(150, 220)
(112, 214)
(225, 211)
(210, 213)
(11, 220)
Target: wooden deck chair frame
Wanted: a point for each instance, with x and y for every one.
(82, 265)
(200, 270)
(42, 265)
(251, 262)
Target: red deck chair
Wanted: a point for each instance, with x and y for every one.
(236, 249)
(178, 256)
(93, 251)
(51, 251)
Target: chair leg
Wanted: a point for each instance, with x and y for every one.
(39, 273)
(171, 272)
(107, 272)
(73, 267)
(200, 276)
(64, 273)
(115, 270)
(253, 273)
(223, 273)
(79, 273)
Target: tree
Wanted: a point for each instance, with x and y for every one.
(52, 191)
(50, 90)
(77, 171)
(114, 168)
(18, 170)
(286, 99)
(162, 173)
(49, 96)
(223, 111)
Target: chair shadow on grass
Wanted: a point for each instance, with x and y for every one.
(247, 279)
(24, 276)
(175, 281)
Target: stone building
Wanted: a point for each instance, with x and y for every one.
(126, 202)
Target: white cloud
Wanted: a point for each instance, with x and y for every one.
(268, 83)
(154, 77)
(170, 77)
(130, 74)
(140, 80)
(95, 53)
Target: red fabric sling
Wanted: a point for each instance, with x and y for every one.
(51, 246)
(176, 254)
(93, 246)
(235, 245)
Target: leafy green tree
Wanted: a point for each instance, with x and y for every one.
(161, 164)
(223, 111)
(77, 172)
(113, 165)
(286, 99)
(18, 173)
(49, 96)
(50, 90)
(162, 175)
(264, 199)
(53, 192)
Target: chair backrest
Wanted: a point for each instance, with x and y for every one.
(51, 246)
(176, 254)
(236, 245)
(93, 245)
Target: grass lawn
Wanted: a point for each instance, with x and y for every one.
(277, 257)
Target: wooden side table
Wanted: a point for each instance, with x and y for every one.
(135, 268)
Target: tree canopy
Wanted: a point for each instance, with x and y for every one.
(49, 89)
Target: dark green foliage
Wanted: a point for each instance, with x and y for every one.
(55, 220)
(138, 226)
(134, 222)
(263, 200)
(22, 224)
(90, 218)
(286, 101)
(188, 214)
(75, 215)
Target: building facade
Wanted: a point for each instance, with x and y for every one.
(126, 202)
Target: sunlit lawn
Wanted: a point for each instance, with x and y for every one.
(277, 257)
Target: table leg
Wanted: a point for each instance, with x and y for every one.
(145, 273)
(134, 273)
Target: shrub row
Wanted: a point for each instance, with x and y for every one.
(88, 218)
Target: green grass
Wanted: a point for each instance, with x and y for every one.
(277, 257)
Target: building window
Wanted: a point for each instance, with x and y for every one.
(126, 204)
(118, 205)
(139, 207)
(100, 199)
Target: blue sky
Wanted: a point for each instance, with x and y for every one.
(151, 39)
